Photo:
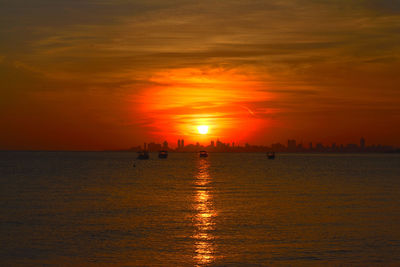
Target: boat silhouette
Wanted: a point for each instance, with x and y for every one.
(271, 155)
(203, 154)
(163, 154)
(143, 155)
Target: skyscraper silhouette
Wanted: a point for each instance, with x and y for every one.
(362, 143)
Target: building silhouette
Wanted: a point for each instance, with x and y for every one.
(291, 145)
(362, 143)
(153, 147)
(165, 145)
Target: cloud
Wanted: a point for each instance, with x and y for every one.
(297, 55)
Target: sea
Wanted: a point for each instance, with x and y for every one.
(229, 209)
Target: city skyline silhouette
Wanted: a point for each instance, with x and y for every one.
(291, 146)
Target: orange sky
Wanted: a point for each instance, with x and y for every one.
(93, 75)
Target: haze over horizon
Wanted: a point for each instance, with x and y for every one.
(93, 75)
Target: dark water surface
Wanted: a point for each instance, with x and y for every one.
(96, 209)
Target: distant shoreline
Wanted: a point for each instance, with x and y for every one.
(397, 151)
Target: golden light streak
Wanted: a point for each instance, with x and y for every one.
(204, 218)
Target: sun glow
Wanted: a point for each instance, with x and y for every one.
(203, 129)
(196, 106)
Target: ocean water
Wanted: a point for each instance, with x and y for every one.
(238, 209)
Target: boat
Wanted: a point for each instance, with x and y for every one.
(163, 154)
(203, 154)
(271, 155)
(143, 155)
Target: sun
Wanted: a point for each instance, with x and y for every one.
(203, 129)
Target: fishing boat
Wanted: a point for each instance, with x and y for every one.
(163, 154)
(271, 155)
(203, 154)
(143, 155)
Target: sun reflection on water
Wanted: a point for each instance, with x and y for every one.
(204, 217)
